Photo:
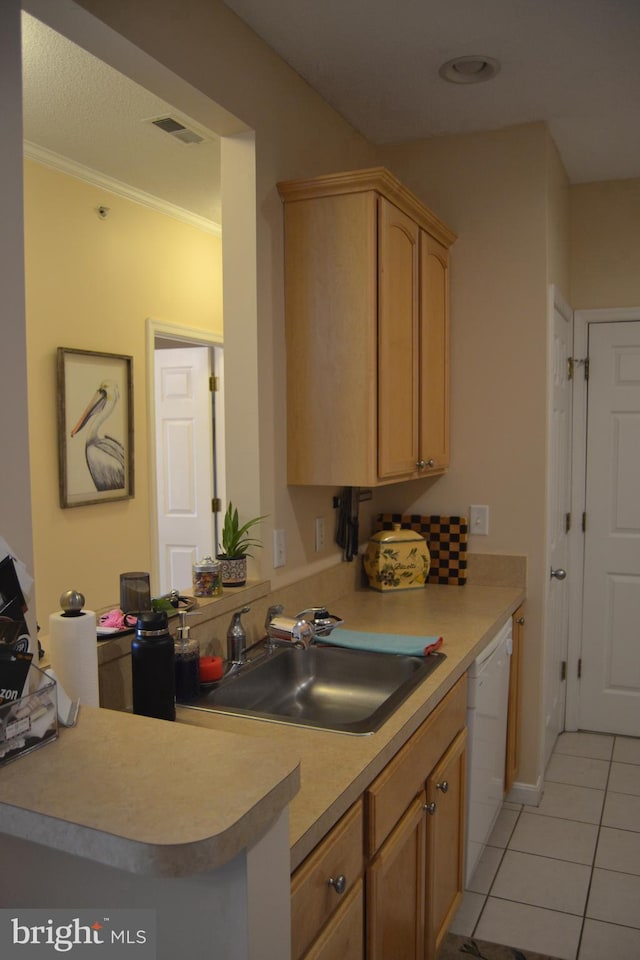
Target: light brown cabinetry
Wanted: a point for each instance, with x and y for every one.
(415, 813)
(445, 842)
(327, 895)
(512, 752)
(367, 313)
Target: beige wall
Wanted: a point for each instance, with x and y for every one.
(494, 190)
(605, 244)
(91, 284)
(296, 134)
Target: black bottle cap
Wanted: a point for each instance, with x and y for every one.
(152, 623)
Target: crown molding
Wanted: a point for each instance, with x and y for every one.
(78, 170)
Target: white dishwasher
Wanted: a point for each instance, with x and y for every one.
(488, 698)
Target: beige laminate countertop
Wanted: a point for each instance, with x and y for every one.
(112, 788)
(147, 796)
(336, 767)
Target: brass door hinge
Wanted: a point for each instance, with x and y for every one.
(579, 668)
(216, 504)
(567, 522)
(563, 671)
(214, 384)
(571, 365)
(584, 522)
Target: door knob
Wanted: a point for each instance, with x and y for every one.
(558, 574)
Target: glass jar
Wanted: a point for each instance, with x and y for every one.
(207, 578)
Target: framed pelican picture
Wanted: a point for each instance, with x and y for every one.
(95, 426)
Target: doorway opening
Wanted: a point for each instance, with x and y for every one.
(186, 448)
(241, 469)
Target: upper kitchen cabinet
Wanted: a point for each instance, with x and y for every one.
(367, 331)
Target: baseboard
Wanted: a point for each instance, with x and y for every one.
(527, 793)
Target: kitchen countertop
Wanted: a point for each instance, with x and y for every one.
(111, 788)
(337, 767)
(147, 796)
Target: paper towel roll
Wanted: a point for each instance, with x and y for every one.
(73, 648)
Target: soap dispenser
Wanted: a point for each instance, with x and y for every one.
(187, 663)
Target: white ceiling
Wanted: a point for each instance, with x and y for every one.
(78, 108)
(572, 63)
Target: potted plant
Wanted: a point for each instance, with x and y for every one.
(235, 547)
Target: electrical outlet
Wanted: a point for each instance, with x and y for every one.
(279, 548)
(479, 519)
(319, 534)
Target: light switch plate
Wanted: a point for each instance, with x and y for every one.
(479, 519)
(279, 549)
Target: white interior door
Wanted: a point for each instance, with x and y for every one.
(559, 507)
(184, 451)
(609, 698)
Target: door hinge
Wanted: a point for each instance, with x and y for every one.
(571, 365)
(579, 668)
(216, 504)
(567, 522)
(214, 384)
(563, 671)
(584, 522)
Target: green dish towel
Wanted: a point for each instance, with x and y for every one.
(383, 642)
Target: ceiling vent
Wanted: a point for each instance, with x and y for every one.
(177, 130)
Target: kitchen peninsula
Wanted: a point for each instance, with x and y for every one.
(191, 818)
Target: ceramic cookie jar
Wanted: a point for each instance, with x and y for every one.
(397, 559)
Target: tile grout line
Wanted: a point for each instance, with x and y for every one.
(504, 850)
(595, 853)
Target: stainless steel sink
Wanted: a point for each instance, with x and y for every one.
(325, 687)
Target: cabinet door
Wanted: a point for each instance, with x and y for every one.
(398, 369)
(445, 843)
(395, 891)
(512, 757)
(434, 354)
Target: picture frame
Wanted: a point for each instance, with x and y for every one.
(95, 426)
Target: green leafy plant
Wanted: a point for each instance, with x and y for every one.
(235, 541)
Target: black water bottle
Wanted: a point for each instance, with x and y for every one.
(152, 667)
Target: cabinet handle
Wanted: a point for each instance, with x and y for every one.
(339, 884)
(430, 808)
(431, 462)
(520, 621)
(444, 786)
(421, 464)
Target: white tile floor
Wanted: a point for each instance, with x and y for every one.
(564, 878)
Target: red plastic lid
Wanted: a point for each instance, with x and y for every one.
(211, 668)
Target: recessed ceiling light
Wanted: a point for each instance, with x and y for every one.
(473, 69)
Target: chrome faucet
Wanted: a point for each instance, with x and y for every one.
(286, 631)
(237, 639)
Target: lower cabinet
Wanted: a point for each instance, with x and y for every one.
(411, 820)
(446, 811)
(327, 895)
(415, 878)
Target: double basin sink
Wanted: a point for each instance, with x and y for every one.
(329, 688)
